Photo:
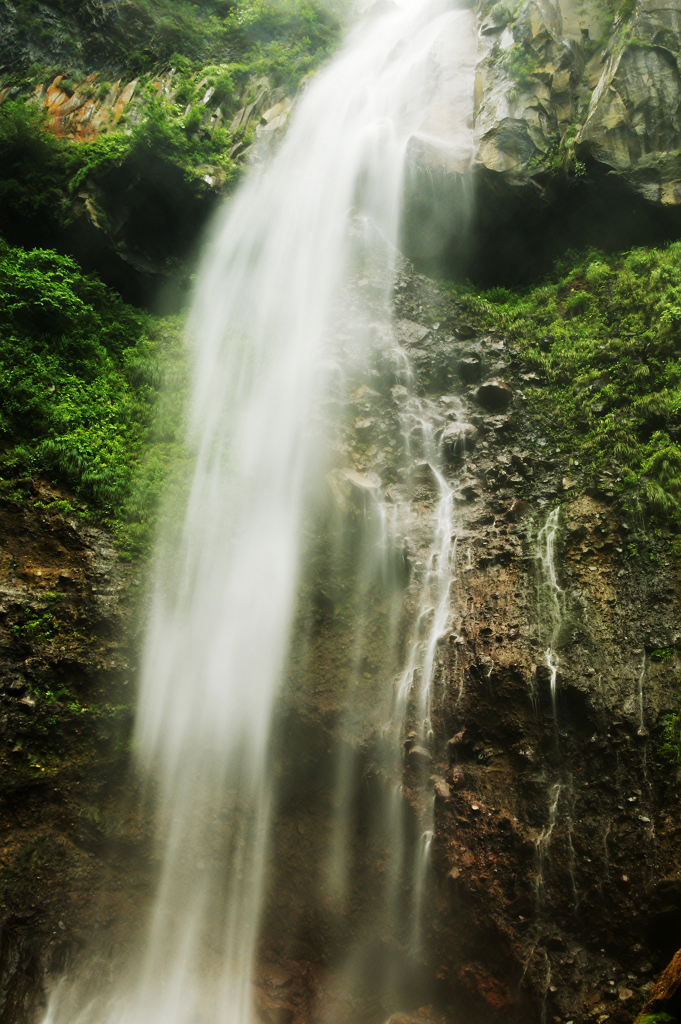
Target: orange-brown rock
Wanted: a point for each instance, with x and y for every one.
(78, 114)
(665, 991)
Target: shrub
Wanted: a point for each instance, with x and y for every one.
(193, 120)
(81, 377)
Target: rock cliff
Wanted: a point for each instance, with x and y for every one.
(75, 856)
(572, 138)
(576, 133)
(555, 890)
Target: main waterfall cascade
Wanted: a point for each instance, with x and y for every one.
(274, 347)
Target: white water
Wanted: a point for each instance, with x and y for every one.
(551, 595)
(262, 318)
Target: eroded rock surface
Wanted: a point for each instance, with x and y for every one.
(74, 859)
(577, 136)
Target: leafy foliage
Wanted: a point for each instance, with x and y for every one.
(669, 744)
(33, 174)
(604, 333)
(40, 175)
(152, 34)
(216, 52)
(90, 389)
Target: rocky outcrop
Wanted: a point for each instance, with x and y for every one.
(554, 890)
(665, 997)
(135, 213)
(632, 124)
(550, 125)
(577, 138)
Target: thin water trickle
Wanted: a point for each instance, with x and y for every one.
(552, 612)
(552, 596)
(543, 841)
(642, 731)
(261, 327)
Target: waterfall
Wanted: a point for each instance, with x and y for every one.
(551, 595)
(265, 341)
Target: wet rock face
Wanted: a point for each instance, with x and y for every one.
(577, 136)
(73, 845)
(554, 886)
(541, 891)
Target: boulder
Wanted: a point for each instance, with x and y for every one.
(494, 395)
(442, 790)
(458, 744)
(469, 368)
(419, 755)
(410, 333)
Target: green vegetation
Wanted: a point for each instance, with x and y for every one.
(285, 38)
(520, 63)
(669, 747)
(40, 174)
(36, 626)
(91, 392)
(194, 67)
(605, 335)
(662, 654)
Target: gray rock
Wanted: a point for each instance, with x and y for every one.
(557, 127)
(459, 438)
(470, 368)
(410, 333)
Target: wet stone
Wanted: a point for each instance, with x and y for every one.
(410, 333)
(495, 395)
(469, 369)
(424, 475)
(459, 438)
(419, 755)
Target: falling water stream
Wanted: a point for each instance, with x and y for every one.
(552, 612)
(552, 597)
(261, 330)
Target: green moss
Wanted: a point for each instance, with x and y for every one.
(604, 334)
(662, 654)
(520, 63)
(36, 627)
